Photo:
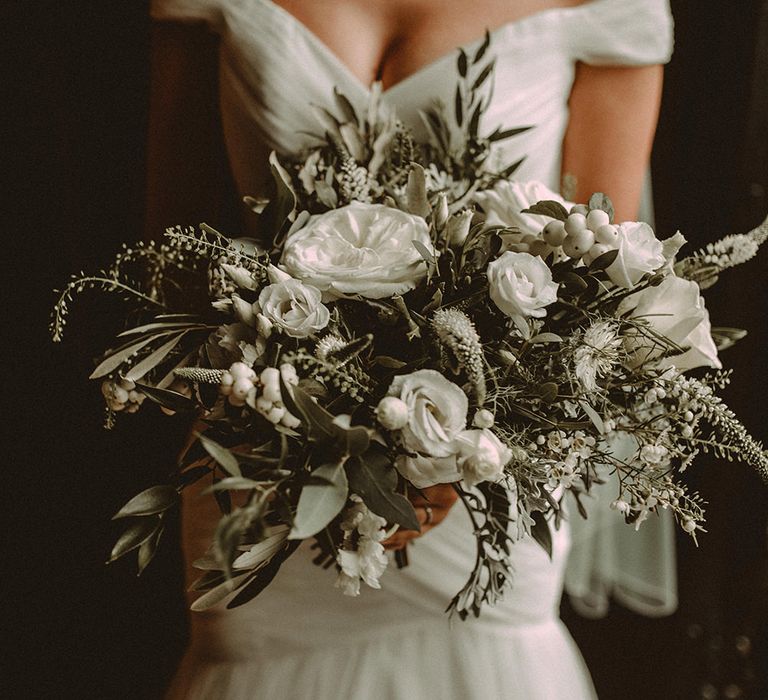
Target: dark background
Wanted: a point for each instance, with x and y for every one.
(73, 183)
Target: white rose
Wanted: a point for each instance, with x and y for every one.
(437, 411)
(364, 249)
(521, 285)
(482, 456)
(675, 310)
(294, 307)
(503, 204)
(640, 252)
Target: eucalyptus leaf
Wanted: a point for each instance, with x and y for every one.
(155, 499)
(137, 533)
(374, 479)
(318, 505)
(222, 455)
(548, 207)
(548, 392)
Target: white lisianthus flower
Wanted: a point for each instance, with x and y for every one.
(294, 307)
(482, 456)
(520, 284)
(364, 249)
(502, 205)
(676, 310)
(437, 412)
(640, 252)
(423, 471)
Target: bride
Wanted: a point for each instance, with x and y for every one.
(586, 76)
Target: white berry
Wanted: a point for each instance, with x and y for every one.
(597, 218)
(599, 249)
(575, 222)
(607, 234)
(554, 233)
(578, 244)
(240, 389)
(240, 370)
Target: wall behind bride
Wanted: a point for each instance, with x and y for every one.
(77, 629)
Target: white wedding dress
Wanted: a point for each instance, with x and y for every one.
(302, 639)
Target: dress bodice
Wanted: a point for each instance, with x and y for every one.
(272, 67)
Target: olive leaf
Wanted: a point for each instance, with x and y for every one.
(155, 499)
(319, 504)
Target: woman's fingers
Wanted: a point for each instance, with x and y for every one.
(431, 509)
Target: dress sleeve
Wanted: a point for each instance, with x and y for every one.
(207, 11)
(623, 32)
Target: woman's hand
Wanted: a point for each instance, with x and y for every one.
(431, 510)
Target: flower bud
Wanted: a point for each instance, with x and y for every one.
(263, 326)
(441, 211)
(240, 276)
(483, 419)
(458, 227)
(392, 413)
(243, 310)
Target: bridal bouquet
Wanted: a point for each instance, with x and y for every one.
(417, 318)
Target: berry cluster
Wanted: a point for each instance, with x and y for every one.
(121, 395)
(585, 234)
(241, 385)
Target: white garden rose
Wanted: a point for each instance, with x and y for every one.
(365, 249)
(437, 412)
(640, 252)
(676, 310)
(502, 205)
(521, 285)
(482, 456)
(294, 307)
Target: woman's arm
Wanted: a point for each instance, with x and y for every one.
(610, 132)
(184, 147)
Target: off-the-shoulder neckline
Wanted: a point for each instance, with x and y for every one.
(496, 36)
